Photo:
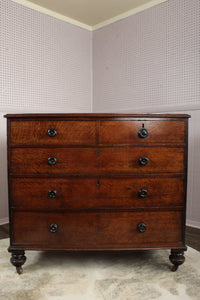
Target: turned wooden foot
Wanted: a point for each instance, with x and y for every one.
(18, 259)
(177, 258)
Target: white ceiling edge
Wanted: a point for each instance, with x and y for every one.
(128, 13)
(83, 25)
(52, 13)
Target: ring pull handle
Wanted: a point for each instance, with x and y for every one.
(52, 160)
(143, 161)
(143, 133)
(143, 193)
(52, 132)
(53, 228)
(52, 194)
(141, 227)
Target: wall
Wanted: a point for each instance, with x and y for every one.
(150, 62)
(45, 66)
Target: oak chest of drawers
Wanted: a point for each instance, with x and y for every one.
(97, 182)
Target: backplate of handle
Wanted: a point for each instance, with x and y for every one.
(143, 193)
(53, 228)
(143, 161)
(52, 194)
(141, 227)
(52, 132)
(52, 160)
(143, 133)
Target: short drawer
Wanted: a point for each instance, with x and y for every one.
(96, 161)
(52, 132)
(108, 230)
(86, 193)
(144, 131)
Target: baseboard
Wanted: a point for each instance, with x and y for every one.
(194, 224)
(4, 221)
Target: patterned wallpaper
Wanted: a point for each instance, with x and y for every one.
(149, 59)
(45, 63)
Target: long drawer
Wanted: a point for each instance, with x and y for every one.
(72, 193)
(52, 132)
(96, 161)
(108, 230)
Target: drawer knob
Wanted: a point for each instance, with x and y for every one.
(52, 194)
(52, 161)
(141, 227)
(143, 193)
(143, 133)
(52, 132)
(143, 161)
(53, 228)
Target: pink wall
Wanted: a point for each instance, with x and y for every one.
(149, 59)
(45, 63)
(45, 66)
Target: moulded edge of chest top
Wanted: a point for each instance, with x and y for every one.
(96, 116)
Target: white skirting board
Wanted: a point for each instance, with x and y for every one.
(193, 224)
(4, 221)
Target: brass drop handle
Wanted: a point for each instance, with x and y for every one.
(52, 160)
(143, 133)
(141, 227)
(143, 161)
(53, 228)
(52, 194)
(52, 132)
(143, 193)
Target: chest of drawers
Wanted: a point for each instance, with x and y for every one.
(97, 182)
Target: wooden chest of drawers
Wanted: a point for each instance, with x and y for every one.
(97, 182)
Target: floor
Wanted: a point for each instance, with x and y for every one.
(192, 235)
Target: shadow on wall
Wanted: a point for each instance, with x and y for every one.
(3, 171)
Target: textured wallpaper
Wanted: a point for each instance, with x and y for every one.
(45, 63)
(149, 59)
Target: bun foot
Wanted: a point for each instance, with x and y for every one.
(174, 268)
(18, 259)
(177, 258)
(19, 270)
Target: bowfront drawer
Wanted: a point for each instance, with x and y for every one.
(130, 132)
(52, 132)
(108, 230)
(96, 161)
(72, 193)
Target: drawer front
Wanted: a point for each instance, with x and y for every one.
(129, 132)
(95, 161)
(142, 160)
(67, 160)
(109, 230)
(81, 193)
(52, 132)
